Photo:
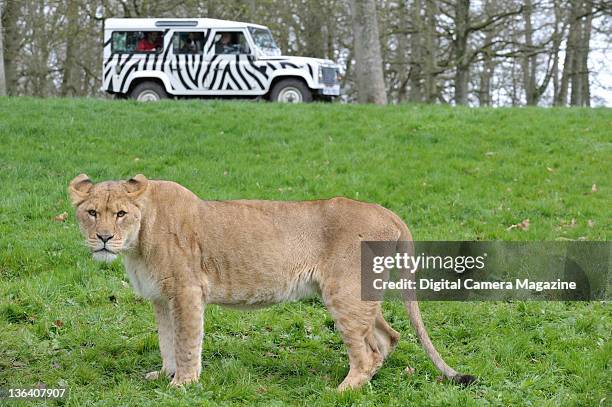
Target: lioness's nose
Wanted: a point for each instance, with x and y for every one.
(105, 237)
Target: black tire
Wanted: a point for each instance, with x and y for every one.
(148, 92)
(285, 89)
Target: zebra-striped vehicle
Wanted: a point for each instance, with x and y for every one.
(150, 59)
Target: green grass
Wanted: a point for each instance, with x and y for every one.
(450, 173)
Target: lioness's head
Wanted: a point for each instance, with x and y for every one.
(109, 213)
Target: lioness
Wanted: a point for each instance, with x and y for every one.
(182, 252)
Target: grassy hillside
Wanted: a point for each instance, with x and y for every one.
(450, 173)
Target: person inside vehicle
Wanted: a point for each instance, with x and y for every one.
(227, 44)
(192, 44)
(150, 42)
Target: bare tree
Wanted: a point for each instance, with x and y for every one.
(529, 61)
(11, 43)
(580, 95)
(416, 51)
(488, 59)
(575, 74)
(314, 29)
(430, 49)
(460, 43)
(465, 51)
(68, 87)
(368, 62)
(485, 52)
(401, 67)
(2, 77)
(531, 53)
(571, 42)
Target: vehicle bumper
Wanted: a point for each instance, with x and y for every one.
(330, 90)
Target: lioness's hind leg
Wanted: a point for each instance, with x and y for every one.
(355, 319)
(386, 337)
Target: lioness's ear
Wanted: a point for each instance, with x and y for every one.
(79, 189)
(136, 185)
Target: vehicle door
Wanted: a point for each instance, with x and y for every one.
(131, 51)
(188, 61)
(231, 69)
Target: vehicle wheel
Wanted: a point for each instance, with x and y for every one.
(291, 91)
(148, 92)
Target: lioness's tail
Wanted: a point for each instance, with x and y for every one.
(415, 318)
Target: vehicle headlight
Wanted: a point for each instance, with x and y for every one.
(320, 74)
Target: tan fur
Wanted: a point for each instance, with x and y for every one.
(182, 252)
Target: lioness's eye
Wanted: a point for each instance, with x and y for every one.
(121, 214)
(92, 212)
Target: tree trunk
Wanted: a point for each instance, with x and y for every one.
(557, 36)
(573, 39)
(533, 91)
(416, 51)
(430, 49)
(514, 94)
(575, 75)
(369, 71)
(584, 54)
(403, 66)
(462, 68)
(529, 60)
(484, 93)
(313, 31)
(488, 64)
(10, 17)
(2, 78)
(330, 37)
(582, 16)
(72, 16)
(252, 9)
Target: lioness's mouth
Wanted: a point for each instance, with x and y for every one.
(104, 250)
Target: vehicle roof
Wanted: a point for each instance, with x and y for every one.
(146, 23)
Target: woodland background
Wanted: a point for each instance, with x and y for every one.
(465, 52)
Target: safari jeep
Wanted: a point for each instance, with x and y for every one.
(151, 59)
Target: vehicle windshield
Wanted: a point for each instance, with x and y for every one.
(264, 41)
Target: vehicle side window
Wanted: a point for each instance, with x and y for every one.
(137, 42)
(231, 42)
(188, 42)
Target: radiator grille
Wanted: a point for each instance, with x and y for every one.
(329, 76)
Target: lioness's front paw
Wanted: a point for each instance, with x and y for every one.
(153, 375)
(353, 381)
(180, 380)
(156, 374)
(169, 371)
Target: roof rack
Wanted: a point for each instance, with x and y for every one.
(176, 23)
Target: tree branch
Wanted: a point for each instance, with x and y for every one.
(493, 20)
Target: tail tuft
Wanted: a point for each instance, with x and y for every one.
(464, 379)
